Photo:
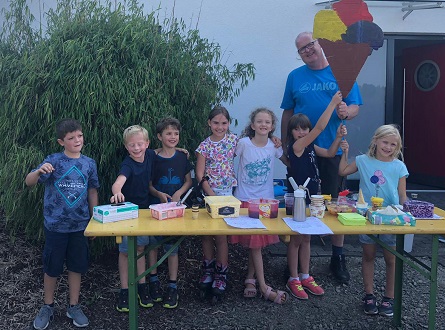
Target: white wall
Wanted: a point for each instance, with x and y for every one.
(263, 32)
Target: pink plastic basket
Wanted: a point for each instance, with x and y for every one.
(167, 211)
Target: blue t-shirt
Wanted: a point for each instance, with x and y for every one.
(138, 177)
(310, 92)
(380, 179)
(65, 203)
(168, 174)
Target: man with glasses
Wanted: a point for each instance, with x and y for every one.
(309, 89)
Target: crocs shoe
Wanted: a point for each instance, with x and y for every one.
(45, 315)
(76, 314)
(310, 285)
(296, 289)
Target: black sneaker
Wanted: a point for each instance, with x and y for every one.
(144, 295)
(370, 305)
(386, 307)
(122, 301)
(155, 291)
(338, 268)
(171, 298)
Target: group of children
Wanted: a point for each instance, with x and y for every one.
(151, 176)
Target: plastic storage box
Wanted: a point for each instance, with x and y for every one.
(222, 206)
(167, 210)
(115, 212)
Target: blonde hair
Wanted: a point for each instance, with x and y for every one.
(384, 131)
(133, 130)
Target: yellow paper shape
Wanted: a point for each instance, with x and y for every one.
(328, 25)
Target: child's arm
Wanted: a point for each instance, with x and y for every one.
(186, 186)
(332, 151)
(33, 177)
(276, 141)
(93, 199)
(345, 169)
(163, 197)
(200, 172)
(303, 142)
(285, 160)
(402, 190)
(116, 189)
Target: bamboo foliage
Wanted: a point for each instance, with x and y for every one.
(109, 67)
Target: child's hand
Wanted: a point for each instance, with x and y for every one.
(337, 98)
(117, 198)
(45, 169)
(344, 145)
(184, 151)
(276, 141)
(342, 131)
(165, 198)
(176, 197)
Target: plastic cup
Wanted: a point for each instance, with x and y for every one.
(289, 203)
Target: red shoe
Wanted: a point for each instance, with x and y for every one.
(296, 289)
(310, 285)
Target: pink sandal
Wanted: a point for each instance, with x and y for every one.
(250, 292)
(278, 298)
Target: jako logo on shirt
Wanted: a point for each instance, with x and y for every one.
(326, 86)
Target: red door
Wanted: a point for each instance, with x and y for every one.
(424, 115)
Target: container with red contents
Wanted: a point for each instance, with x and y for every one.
(263, 208)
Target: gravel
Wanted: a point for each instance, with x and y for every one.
(340, 308)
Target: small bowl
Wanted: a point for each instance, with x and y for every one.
(343, 205)
(263, 208)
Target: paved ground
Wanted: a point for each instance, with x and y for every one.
(421, 244)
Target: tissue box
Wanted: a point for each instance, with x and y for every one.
(115, 212)
(399, 219)
(419, 209)
(222, 206)
(167, 210)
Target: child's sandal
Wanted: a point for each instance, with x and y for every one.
(279, 297)
(250, 292)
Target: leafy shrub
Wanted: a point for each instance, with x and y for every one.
(108, 68)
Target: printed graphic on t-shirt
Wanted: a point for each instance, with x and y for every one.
(72, 185)
(377, 179)
(169, 184)
(258, 171)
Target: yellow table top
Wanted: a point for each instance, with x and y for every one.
(205, 225)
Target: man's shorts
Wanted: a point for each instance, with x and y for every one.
(141, 241)
(71, 248)
(388, 239)
(167, 246)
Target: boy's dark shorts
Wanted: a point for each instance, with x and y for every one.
(61, 248)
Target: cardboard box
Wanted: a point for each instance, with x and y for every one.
(115, 212)
(167, 210)
(379, 218)
(222, 206)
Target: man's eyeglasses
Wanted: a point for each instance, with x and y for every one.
(309, 46)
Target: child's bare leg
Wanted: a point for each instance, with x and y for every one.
(390, 261)
(74, 280)
(222, 250)
(208, 248)
(305, 253)
(152, 260)
(173, 262)
(49, 287)
(368, 259)
(123, 270)
(292, 254)
(141, 264)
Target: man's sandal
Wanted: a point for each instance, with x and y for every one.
(279, 296)
(250, 292)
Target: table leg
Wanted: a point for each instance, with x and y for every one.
(397, 318)
(433, 283)
(132, 282)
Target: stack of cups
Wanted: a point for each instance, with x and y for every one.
(317, 206)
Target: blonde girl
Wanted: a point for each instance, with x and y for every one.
(381, 173)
